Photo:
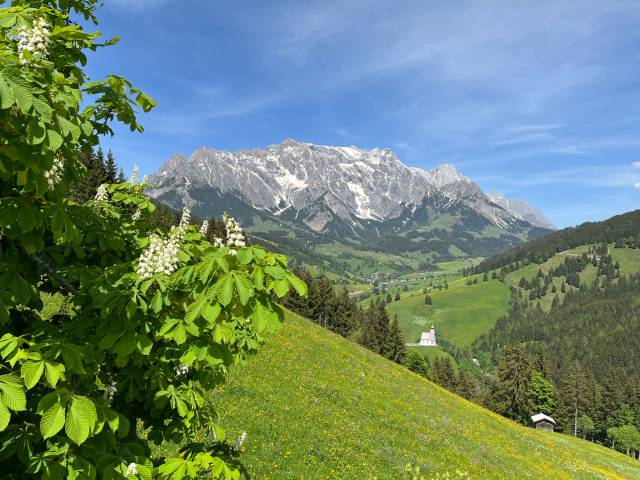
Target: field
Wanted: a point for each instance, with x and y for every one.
(316, 406)
(461, 313)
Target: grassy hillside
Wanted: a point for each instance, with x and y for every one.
(316, 406)
(463, 312)
(460, 313)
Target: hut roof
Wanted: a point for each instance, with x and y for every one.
(542, 417)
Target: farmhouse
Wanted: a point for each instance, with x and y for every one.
(543, 422)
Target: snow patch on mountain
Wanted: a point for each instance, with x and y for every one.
(350, 182)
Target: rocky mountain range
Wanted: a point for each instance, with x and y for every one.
(346, 194)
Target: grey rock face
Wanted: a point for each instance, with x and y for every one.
(522, 210)
(371, 185)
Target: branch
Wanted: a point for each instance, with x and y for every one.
(42, 264)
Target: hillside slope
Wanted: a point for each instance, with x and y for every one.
(317, 406)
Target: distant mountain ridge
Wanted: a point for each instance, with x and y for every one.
(368, 184)
(522, 210)
(348, 194)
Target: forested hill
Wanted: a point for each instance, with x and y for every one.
(623, 230)
(591, 342)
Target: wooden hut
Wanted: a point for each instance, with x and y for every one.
(543, 422)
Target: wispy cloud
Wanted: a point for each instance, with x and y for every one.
(136, 5)
(526, 94)
(595, 176)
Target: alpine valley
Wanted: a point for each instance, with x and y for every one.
(337, 207)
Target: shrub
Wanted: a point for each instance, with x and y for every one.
(152, 319)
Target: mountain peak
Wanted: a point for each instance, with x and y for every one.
(446, 174)
(352, 183)
(521, 210)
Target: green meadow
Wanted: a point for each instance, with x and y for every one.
(461, 313)
(317, 406)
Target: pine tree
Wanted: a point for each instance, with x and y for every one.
(344, 315)
(397, 297)
(112, 173)
(369, 337)
(396, 349)
(511, 396)
(99, 171)
(574, 398)
(443, 373)
(427, 300)
(466, 385)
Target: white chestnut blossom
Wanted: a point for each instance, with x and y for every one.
(102, 194)
(186, 217)
(132, 469)
(54, 174)
(134, 174)
(111, 391)
(235, 237)
(161, 256)
(204, 228)
(137, 215)
(145, 179)
(237, 444)
(33, 41)
(182, 370)
(218, 242)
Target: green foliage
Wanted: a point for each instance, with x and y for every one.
(541, 394)
(132, 350)
(625, 438)
(585, 426)
(416, 362)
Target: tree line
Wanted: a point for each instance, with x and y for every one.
(623, 229)
(337, 311)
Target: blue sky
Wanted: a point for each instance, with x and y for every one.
(539, 100)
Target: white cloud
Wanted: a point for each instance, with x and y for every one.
(635, 164)
(637, 185)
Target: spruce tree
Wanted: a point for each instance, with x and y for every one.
(511, 396)
(443, 373)
(343, 318)
(574, 394)
(466, 385)
(397, 349)
(113, 174)
(384, 341)
(369, 338)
